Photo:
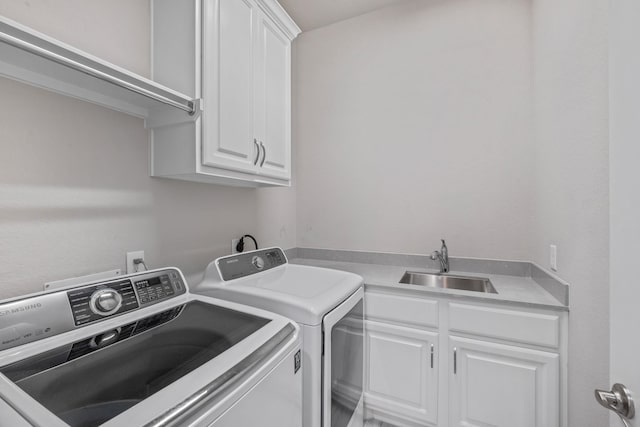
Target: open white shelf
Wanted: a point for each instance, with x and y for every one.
(36, 59)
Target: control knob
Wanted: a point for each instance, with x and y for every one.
(105, 301)
(258, 262)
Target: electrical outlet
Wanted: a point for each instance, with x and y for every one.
(131, 267)
(553, 257)
(234, 243)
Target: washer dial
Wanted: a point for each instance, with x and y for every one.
(258, 262)
(105, 301)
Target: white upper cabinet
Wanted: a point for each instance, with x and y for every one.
(228, 84)
(241, 67)
(273, 107)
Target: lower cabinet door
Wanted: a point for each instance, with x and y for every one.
(401, 371)
(496, 385)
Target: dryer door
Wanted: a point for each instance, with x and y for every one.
(343, 364)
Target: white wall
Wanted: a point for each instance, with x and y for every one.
(276, 213)
(571, 199)
(414, 124)
(114, 30)
(75, 194)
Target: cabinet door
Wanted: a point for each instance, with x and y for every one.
(228, 85)
(401, 371)
(273, 99)
(495, 385)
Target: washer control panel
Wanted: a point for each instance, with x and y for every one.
(245, 264)
(93, 303)
(157, 288)
(32, 318)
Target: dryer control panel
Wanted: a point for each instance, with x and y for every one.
(43, 315)
(248, 263)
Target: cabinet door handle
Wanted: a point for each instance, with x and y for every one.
(264, 153)
(455, 360)
(255, 141)
(431, 356)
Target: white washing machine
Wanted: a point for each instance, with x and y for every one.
(328, 306)
(140, 350)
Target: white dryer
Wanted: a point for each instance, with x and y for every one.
(140, 350)
(327, 304)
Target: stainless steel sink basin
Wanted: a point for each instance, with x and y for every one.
(447, 281)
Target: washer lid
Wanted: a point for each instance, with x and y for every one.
(89, 385)
(302, 293)
(168, 366)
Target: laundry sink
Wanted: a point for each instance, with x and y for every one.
(448, 281)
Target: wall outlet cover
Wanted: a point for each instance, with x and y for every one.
(131, 267)
(553, 257)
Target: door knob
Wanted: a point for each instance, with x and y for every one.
(618, 400)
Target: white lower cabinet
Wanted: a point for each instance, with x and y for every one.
(464, 365)
(402, 371)
(496, 385)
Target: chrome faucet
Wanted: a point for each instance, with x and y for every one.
(443, 256)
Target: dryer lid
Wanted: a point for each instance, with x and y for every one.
(302, 293)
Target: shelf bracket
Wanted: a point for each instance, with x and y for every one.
(173, 117)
